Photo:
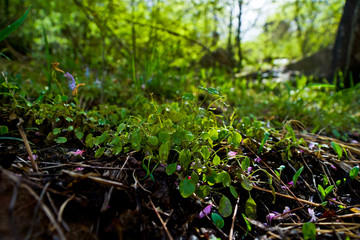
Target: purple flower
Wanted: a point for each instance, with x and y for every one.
(333, 167)
(311, 145)
(34, 157)
(205, 211)
(286, 209)
(257, 159)
(291, 183)
(79, 169)
(312, 214)
(77, 152)
(72, 83)
(270, 217)
(232, 154)
(178, 167)
(249, 169)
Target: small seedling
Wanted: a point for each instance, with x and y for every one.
(324, 193)
(297, 174)
(354, 172)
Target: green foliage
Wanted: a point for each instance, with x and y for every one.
(324, 193)
(250, 208)
(354, 172)
(309, 231)
(12, 27)
(218, 220)
(297, 175)
(186, 188)
(225, 207)
(337, 149)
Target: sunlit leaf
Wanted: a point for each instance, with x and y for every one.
(309, 231)
(99, 152)
(250, 208)
(354, 172)
(337, 149)
(203, 191)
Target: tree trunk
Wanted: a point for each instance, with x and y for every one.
(238, 37)
(345, 65)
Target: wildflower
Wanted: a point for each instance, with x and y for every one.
(270, 217)
(205, 211)
(189, 177)
(249, 169)
(74, 92)
(311, 145)
(232, 154)
(291, 183)
(79, 169)
(333, 167)
(77, 152)
(34, 157)
(286, 209)
(72, 83)
(54, 65)
(178, 167)
(257, 159)
(312, 214)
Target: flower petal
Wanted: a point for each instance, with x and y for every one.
(205, 211)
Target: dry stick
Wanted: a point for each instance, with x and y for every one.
(62, 208)
(233, 219)
(27, 145)
(46, 211)
(290, 197)
(162, 222)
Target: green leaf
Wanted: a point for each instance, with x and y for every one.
(153, 140)
(61, 140)
(297, 174)
(263, 141)
(225, 179)
(291, 132)
(248, 224)
(99, 152)
(12, 27)
(164, 151)
(69, 119)
(250, 208)
(89, 140)
(337, 149)
(102, 138)
(213, 134)
(117, 149)
(354, 172)
(246, 184)
(56, 131)
(164, 137)
(309, 231)
(322, 192)
(203, 191)
(186, 188)
(216, 160)
(236, 139)
(171, 168)
(135, 139)
(79, 135)
(4, 130)
(234, 192)
(218, 220)
(245, 164)
(184, 158)
(225, 207)
(329, 189)
(205, 152)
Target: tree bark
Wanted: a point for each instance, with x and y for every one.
(238, 37)
(345, 65)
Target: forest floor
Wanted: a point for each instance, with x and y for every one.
(77, 196)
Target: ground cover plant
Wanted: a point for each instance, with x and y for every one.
(165, 153)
